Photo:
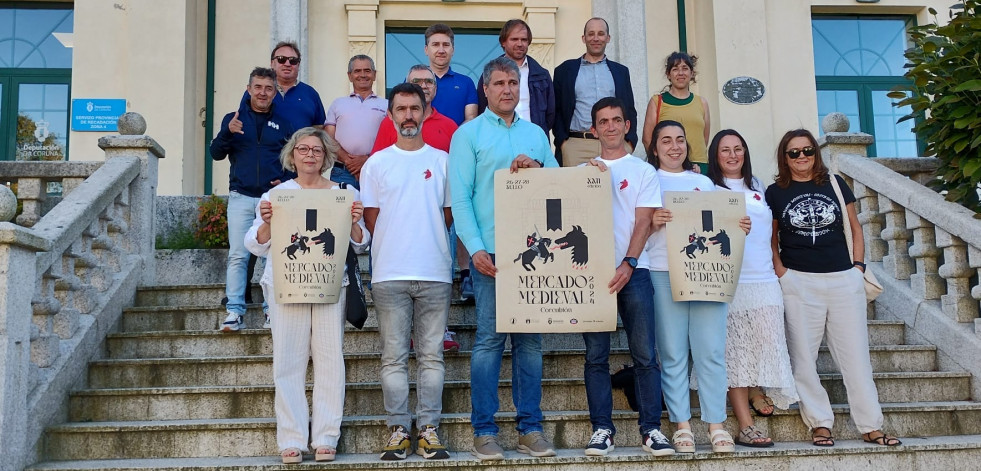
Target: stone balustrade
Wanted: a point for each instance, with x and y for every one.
(929, 248)
(65, 275)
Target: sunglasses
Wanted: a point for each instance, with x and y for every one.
(284, 59)
(795, 153)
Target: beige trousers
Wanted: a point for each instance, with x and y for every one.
(830, 306)
(576, 150)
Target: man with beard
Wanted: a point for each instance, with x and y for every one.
(537, 100)
(438, 128)
(407, 209)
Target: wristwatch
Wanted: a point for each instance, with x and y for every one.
(632, 261)
(859, 264)
(539, 162)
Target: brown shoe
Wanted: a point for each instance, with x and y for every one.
(535, 444)
(485, 448)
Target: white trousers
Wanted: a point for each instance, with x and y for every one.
(299, 330)
(832, 306)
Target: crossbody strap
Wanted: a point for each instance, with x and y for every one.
(844, 215)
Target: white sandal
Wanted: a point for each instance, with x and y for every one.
(325, 453)
(292, 455)
(719, 437)
(683, 435)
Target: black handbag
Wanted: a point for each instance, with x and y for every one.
(356, 310)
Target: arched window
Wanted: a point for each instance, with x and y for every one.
(857, 60)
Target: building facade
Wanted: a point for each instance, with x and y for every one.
(765, 66)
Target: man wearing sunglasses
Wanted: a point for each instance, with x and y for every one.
(297, 101)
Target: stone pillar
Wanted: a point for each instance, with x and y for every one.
(17, 264)
(362, 30)
(288, 22)
(540, 16)
(837, 140)
(925, 282)
(131, 142)
(628, 32)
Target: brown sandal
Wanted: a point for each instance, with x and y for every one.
(881, 439)
(753, 437)
(820, 439)
(760, 402)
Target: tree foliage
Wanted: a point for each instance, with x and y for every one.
(945, 96)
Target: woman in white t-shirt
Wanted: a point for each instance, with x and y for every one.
(756, 344)
(698, 327)
(299, 330)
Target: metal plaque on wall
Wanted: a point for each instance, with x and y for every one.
(743, 90)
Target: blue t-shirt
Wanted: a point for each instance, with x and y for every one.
(453, 93)
(301, 105)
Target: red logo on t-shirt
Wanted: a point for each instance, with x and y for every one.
(757, 196)
(697, 189)
(428, 174)
(623, 184)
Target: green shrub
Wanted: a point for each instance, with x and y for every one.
(212, 226)
(180, 240)
(945, 95)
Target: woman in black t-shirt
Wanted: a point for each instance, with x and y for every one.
(823, 287)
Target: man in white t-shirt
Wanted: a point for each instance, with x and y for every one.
(636, 193)
(407, 209)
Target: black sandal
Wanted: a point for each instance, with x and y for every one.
(881, 439)
(820, 439)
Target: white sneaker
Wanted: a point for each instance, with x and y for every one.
(267, 324)
(233, 323)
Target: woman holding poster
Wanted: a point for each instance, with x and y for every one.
(301, 329)
(823, 287)
(756, 345)
(695, 326)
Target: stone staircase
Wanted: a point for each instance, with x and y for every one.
(173, 393)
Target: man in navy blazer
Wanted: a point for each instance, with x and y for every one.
(581, 82)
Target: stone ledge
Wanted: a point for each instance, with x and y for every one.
(919, 454)
(20, 236)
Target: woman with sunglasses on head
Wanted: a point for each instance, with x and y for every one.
(301, 329)
(756, 345)
(695, 327)
(823, 287)
(678, 103)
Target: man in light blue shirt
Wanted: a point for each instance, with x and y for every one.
(494, 140)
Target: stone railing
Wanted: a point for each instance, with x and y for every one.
(35, 180)
(925, 250)
(65, 278)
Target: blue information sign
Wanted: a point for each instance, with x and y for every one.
(96, 114)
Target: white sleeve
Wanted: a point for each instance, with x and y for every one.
(251, 242)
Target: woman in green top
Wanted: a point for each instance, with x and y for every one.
(678, 103)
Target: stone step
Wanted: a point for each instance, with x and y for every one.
(211, 342)
(916, 454)
(222, 370)
(366, 434)
(217, 402)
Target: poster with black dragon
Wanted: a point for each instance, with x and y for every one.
(311, 230)
(555, 252)
(705, 244)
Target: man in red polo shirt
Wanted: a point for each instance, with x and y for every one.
(437, 129)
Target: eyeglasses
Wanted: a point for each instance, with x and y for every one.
(420, 81)
(305, 149)
(795, 153)
(284, 59)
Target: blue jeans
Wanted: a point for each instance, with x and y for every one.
(412, 309)
(485, 367)
(241, 213)
(635, 304)
(699, 327)
(340, 174)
